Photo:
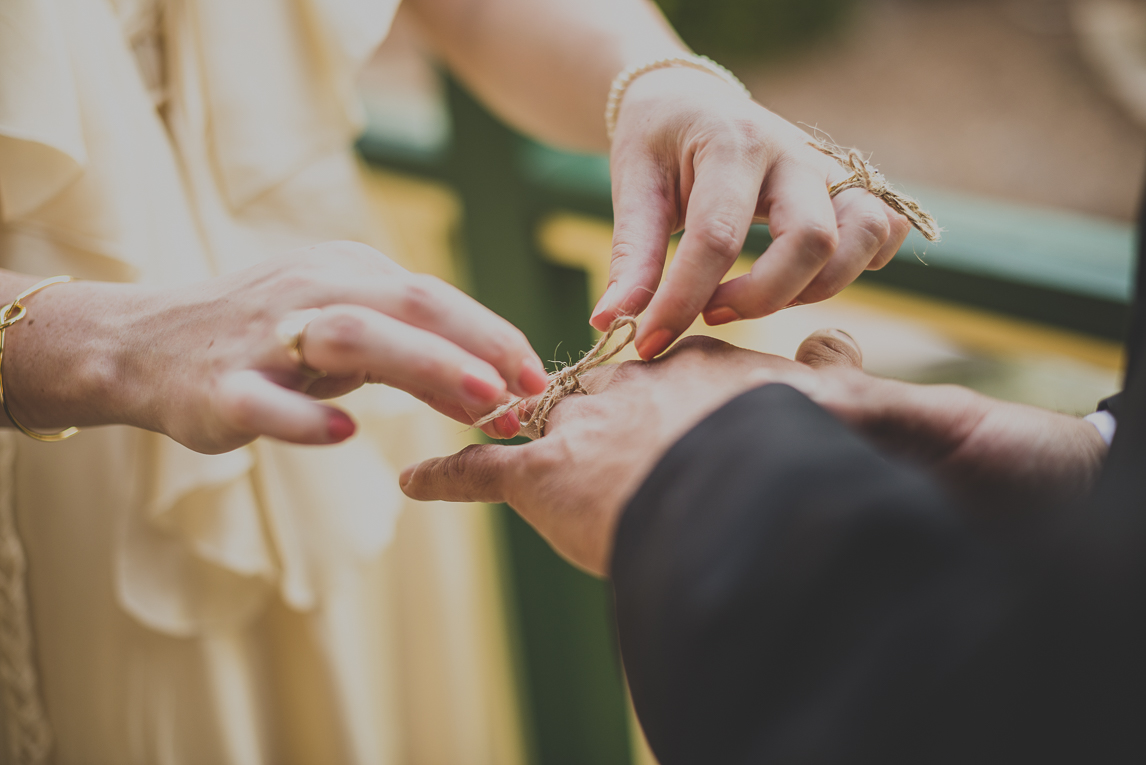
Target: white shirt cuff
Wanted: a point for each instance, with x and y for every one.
(1105, 423)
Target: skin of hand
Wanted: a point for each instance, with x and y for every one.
(573, 484)
(995, 457)
(690, 152)
(207, 364)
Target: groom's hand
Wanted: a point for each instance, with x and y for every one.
(572, 484)
(994, 456)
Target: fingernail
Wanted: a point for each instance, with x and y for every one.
(508, 425)
(718, 316)
(533, 379)
(652, 345)
(604, 303)
(482, 385)
(339, 426)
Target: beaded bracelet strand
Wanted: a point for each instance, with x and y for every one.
(625, 79)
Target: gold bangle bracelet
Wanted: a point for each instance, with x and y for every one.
(9, 315)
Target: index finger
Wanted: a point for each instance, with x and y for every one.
(802, 220)
(721, 205)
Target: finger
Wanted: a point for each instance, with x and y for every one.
(475, 474)
(830, 348)
(431, 304)
(504, 427)
(645, 215)
(863, 228)
(251, 404)
(350, 338)
(721, 205)
(900, 228)
(803, 226)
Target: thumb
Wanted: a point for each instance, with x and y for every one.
(478, 473)
(644, 220)
(830, 348)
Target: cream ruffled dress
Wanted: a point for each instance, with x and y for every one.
(250, 607)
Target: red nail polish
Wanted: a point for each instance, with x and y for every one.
(508, 425)
(603, 304)
(654, 344)
(718, 316)
(339, 426)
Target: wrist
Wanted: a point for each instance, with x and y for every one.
(63, 364)
(660, 81)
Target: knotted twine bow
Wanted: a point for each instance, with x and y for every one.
(566, 381)
(864, 176)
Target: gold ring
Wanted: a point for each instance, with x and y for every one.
(292, 333)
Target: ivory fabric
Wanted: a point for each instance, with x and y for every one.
(251, 607)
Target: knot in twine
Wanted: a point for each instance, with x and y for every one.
(864, 176)
(566, 381)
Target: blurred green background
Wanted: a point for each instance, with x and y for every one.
(742, 29)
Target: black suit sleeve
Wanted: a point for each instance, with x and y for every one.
(785, 594)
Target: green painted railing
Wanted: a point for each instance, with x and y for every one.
(1060, 269)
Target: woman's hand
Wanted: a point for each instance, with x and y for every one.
(691, 152)
(207, 365)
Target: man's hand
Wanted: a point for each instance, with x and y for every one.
(572, 484)
(691, 152)
(993, 456)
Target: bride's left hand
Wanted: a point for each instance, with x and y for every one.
(691, 152)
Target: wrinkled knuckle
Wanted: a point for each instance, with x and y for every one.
(751, 138)
(721, 239)
(342, 330)
(421, 298)
(623, 251)
(875, 225)
(818, 243)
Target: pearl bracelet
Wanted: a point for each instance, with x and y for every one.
(625, 79)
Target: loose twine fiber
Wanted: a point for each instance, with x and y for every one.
(566, 381)
(864, 176)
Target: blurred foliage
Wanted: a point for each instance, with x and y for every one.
(753, 28)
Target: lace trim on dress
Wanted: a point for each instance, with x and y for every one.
(29, 733)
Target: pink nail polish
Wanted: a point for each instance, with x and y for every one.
(476, 384)
(654, 344)
(718, 316)
(339, 426)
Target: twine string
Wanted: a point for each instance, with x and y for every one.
(567, 380)
(864, 176)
